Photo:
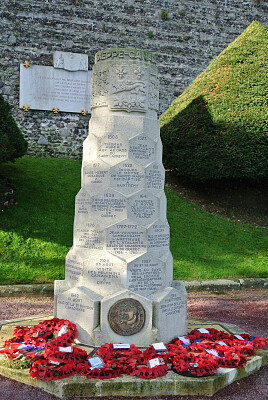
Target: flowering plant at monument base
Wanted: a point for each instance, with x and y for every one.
(50, 348)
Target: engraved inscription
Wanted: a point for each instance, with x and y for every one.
(45, 87)
(143, 208)
(131, 54)
(108, 207)
(172, 305)
(95, 175)
(74, 302)
(73, 268)
(155, 177)
(126, 239)
(158, 237)
(82, 203)
(127, 175)
(103, 275)
(146, 275)
(112, 149)
(141, 149)
(126, 317)
(89, 237)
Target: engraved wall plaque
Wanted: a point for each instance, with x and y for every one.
(126, 317)
(70, 61)
(43, 87)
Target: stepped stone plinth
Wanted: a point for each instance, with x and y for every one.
(118, 273)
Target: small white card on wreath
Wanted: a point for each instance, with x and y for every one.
(184, 340)
(213, 352)
(155, 361)
(121, 346)
(96, 362)
(63, 330)
(222, 343)
(203, 330)
(239, 337)
(68, 349)
(159, 347)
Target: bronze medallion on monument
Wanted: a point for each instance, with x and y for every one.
(126, 317)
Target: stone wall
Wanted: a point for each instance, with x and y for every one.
(194, 33)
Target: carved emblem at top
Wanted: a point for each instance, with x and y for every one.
(129, 91)
(125, 79)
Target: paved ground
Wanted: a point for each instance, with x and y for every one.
(246, 308)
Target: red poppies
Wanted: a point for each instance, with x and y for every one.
(199, 353)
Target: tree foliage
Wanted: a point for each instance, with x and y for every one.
(12, 142)
(217, 128)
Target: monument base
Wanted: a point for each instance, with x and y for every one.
(123, 317)
(171, 384)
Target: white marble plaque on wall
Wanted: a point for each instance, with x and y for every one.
(43, 88)
(70, 61)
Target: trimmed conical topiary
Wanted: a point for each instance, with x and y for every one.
(217, 128)
(12, 142)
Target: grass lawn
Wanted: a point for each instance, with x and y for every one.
(36, 235)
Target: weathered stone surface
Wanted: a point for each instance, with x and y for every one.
(74, 267)
(42, 140)
(70, 61)
(194, 34)
(171, 384)
(105, 273)
(146, 274)
(120, 223)
(44, 87)
(169, 312)
(81, 306)
(136, 324)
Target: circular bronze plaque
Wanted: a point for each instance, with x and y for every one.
(126, 317)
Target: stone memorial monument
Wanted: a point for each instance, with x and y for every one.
(118, 276)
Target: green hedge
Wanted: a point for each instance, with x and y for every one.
(217, 128)
(12, 142)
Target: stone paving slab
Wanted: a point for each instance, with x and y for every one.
(171, 384)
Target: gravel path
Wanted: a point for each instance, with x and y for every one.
(247, 308)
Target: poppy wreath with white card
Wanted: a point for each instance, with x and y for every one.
(202, 364)
(140, 366)
(102, 372)
(50, 344)
(42, 369)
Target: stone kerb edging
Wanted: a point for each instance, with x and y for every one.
(226, 284)
(219, 284)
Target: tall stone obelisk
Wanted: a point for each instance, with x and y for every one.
(118, 274)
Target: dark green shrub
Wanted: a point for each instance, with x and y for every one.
(217, 128)
(12, 142)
